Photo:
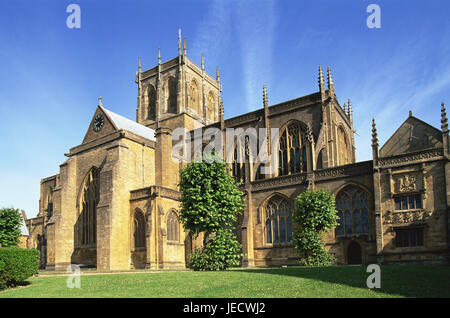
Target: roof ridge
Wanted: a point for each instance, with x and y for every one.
(132, 126)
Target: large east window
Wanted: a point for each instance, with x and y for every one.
(292, 154)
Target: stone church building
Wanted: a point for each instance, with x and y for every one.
(115, 201)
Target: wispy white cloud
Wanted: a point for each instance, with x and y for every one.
(405, 83)
(256, 28)
(213, 33)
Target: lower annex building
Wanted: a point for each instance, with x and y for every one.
(114, 203)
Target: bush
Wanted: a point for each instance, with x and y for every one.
(199, 261)
(221, 252)
(16, 265)
(314, 213)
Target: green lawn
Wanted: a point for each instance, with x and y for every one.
(338, 281)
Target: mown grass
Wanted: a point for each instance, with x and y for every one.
(339, 281)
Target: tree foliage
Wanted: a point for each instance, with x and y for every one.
(210, 204)
(10, 223)
(314, 213)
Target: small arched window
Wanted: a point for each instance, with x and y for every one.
(151, 102)
(320, 159)
(278, 221)
(139, 230)
(172, 227)
(292, 156)
(194, 102)
(211, 107)
(353, 212)
(343, 147)
(171, 95)
(49, 207)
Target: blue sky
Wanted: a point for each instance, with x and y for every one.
(51, 76)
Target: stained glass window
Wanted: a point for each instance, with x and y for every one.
(408, 202)
(278, 213)
(353, 212)
(292, 154)
(172, 227)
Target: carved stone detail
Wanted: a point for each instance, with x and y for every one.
(423, 155)
(279, 182)
(408, 216)
(350, 170)
(407, 183)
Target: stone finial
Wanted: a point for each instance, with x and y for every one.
(184, 47)
(203, 62)
(159, 55)
(444, 121)
(321, 80)
(221, 114)
(100, 101)
(374, 134)
(221, 107)
(330, 80)
(179, 41)
(350, 110)
(139, 65)
(265, 97)
(217, 74)
(345, 109)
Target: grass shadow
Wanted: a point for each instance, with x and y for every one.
(402, 280)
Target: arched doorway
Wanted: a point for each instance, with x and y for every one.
(354, 253)
(139, 244)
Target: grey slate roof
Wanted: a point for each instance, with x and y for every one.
(129, 125)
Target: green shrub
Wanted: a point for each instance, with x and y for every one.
(199, 261)
(221, 252)
(16, 265)
(314, 214)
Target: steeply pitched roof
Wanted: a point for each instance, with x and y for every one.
(413, 135)
(121, 122)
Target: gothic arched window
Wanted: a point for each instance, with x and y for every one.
(49, 208)
(343, 147)
(151, 102)
(292, 156)
(353, 212)
(172, 227)
(238, 165)
(139, 230)
(278, 221)
(90, 197)
(211, 107)
(320, 159)
(171, 95)
(194, 102)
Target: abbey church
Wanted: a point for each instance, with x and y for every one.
(114, 203)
